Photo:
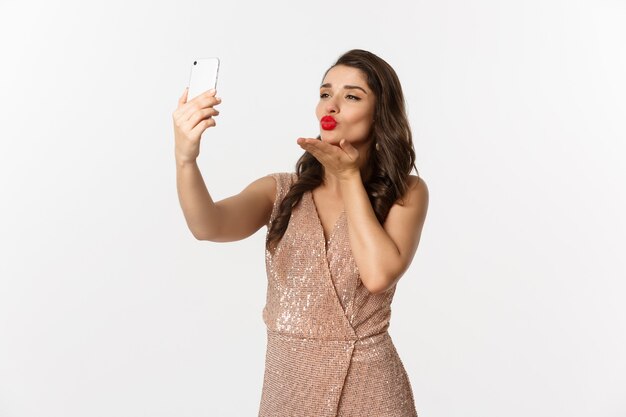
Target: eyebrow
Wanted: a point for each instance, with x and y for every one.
(347, 87)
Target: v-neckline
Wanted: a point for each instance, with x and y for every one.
(321, 226)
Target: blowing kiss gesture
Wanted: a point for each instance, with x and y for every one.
(341, 161)
(346, 118)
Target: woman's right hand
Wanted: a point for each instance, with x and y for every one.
(190, 120)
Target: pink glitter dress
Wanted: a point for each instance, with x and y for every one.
(328, 349)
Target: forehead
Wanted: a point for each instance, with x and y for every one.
(341, 75)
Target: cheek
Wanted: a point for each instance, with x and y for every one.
(365, 125)
(319, 111)
(364, 120)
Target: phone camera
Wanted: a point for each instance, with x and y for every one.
(195, 62)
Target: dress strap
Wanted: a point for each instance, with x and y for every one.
(284, 180)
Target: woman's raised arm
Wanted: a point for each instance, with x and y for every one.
(230, 219)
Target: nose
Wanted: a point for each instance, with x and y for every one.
(331, 106)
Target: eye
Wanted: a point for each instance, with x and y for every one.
(351, 97)
(324, 95)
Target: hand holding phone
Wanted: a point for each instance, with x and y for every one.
(190, 121)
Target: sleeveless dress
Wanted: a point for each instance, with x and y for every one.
(328, 349)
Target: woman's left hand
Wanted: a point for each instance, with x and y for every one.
(341, 161)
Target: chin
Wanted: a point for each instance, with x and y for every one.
(329, 137)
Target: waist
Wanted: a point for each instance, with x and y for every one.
(359, 341)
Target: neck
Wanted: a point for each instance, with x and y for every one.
(331, 183)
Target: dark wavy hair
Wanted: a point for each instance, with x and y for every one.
(388, 167)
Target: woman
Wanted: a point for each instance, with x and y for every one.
(342, 230)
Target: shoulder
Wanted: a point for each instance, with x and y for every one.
(276, 185)
(410, 210)
(416, 193)
(407, 216)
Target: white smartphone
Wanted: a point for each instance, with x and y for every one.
(203, 76)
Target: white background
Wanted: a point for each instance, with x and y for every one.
(514, 303)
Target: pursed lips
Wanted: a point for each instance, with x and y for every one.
(328, 122)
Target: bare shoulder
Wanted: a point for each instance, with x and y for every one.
(409, 212)
(412, 207)
(265, 186)
(417, 192)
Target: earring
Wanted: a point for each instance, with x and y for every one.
(377, 146)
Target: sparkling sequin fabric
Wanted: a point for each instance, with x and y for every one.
(328, 349)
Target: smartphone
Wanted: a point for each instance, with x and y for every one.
(203, 76)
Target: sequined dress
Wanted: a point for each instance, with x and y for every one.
(328, 349)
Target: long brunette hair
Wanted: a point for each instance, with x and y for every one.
(387, 168)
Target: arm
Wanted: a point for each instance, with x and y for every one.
(384, 253)
(230, 219)
(233, 218)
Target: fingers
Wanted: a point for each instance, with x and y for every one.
(196, 115)
(204, 124)
(186, 110)
(207, 94)
(183, 99)
(181, 102)
(310, 145)
(335, 158)
(201, 115)
(347, 147)
(316, 146)
(324, 152)
(203, 101)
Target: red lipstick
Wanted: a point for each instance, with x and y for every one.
(328, 123)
